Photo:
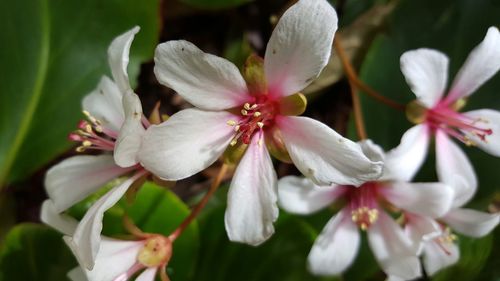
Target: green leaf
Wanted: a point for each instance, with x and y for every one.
(282, 257)
(453, 27)
(36, 253)
(53, 53)
(215, 4)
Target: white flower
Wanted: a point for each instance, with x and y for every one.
(245, 114)
(426, 72)
(115, 124)
(337, 245)
(116, 260)
(439, 249)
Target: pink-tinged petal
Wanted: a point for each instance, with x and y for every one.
(300, 46)
(187, 143)
(118, 58)
(404, 161)
(455, 169)
(62, 223)
(77, 274)
(251, 201)
(420, 230)
(336, 247)
(394, 278)
(426, 72)
(436, 258)
(393, 249)
(206, 81)
(483, 62)
(301, 196)
(148, 274)
(105, 104)
(75, 178)
(426, 199)
(114, 259)
(325, 156)
(471, 222)
(86, 240)
(490, 120)
(130, 136)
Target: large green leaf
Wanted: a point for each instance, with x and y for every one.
(453, 27)
(53, 53)
(36, 253)
(281, 258)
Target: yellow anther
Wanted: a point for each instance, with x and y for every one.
(233, 142)
(254, 106)
(231, 122)
(88, 128)
(244, 112)
(256, 114)
(98, 129)
(86, 143)
(260, 124)
(86, 113)
(80, 149)
(246, 106)
(259, 142)
(237, 128)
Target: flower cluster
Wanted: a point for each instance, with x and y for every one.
(246, 118)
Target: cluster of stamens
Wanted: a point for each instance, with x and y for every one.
(92, 135)
(455, 125)
(255, 117)
(364, 217)
(445, 117)
(446, 239)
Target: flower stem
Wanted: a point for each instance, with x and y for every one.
(213, 187)
(354, 79)
(356, 104)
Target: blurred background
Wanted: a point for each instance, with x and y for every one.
(53, 52)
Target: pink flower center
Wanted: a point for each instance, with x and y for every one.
(363, 204)
(92, 135)
(254, 117)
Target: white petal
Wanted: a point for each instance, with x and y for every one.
(130, 137)
(426, 72)
(75, 178)
(404, 161)
(77, 274)
(471, 222)
(62, 223)
(426, 199)
(373, 151)
(251, 201)
(420, 230)
(118, 57)
(86, 241)
(336, 247)
(483, 62)
(455, 169)
(301, 196)
(206, 81)
(435, 258)
(105, 104)
(489, 119)
(148, 274)
(393, 249)
(323, 155)
(187, 143)
(300, 46)
(115, 257)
